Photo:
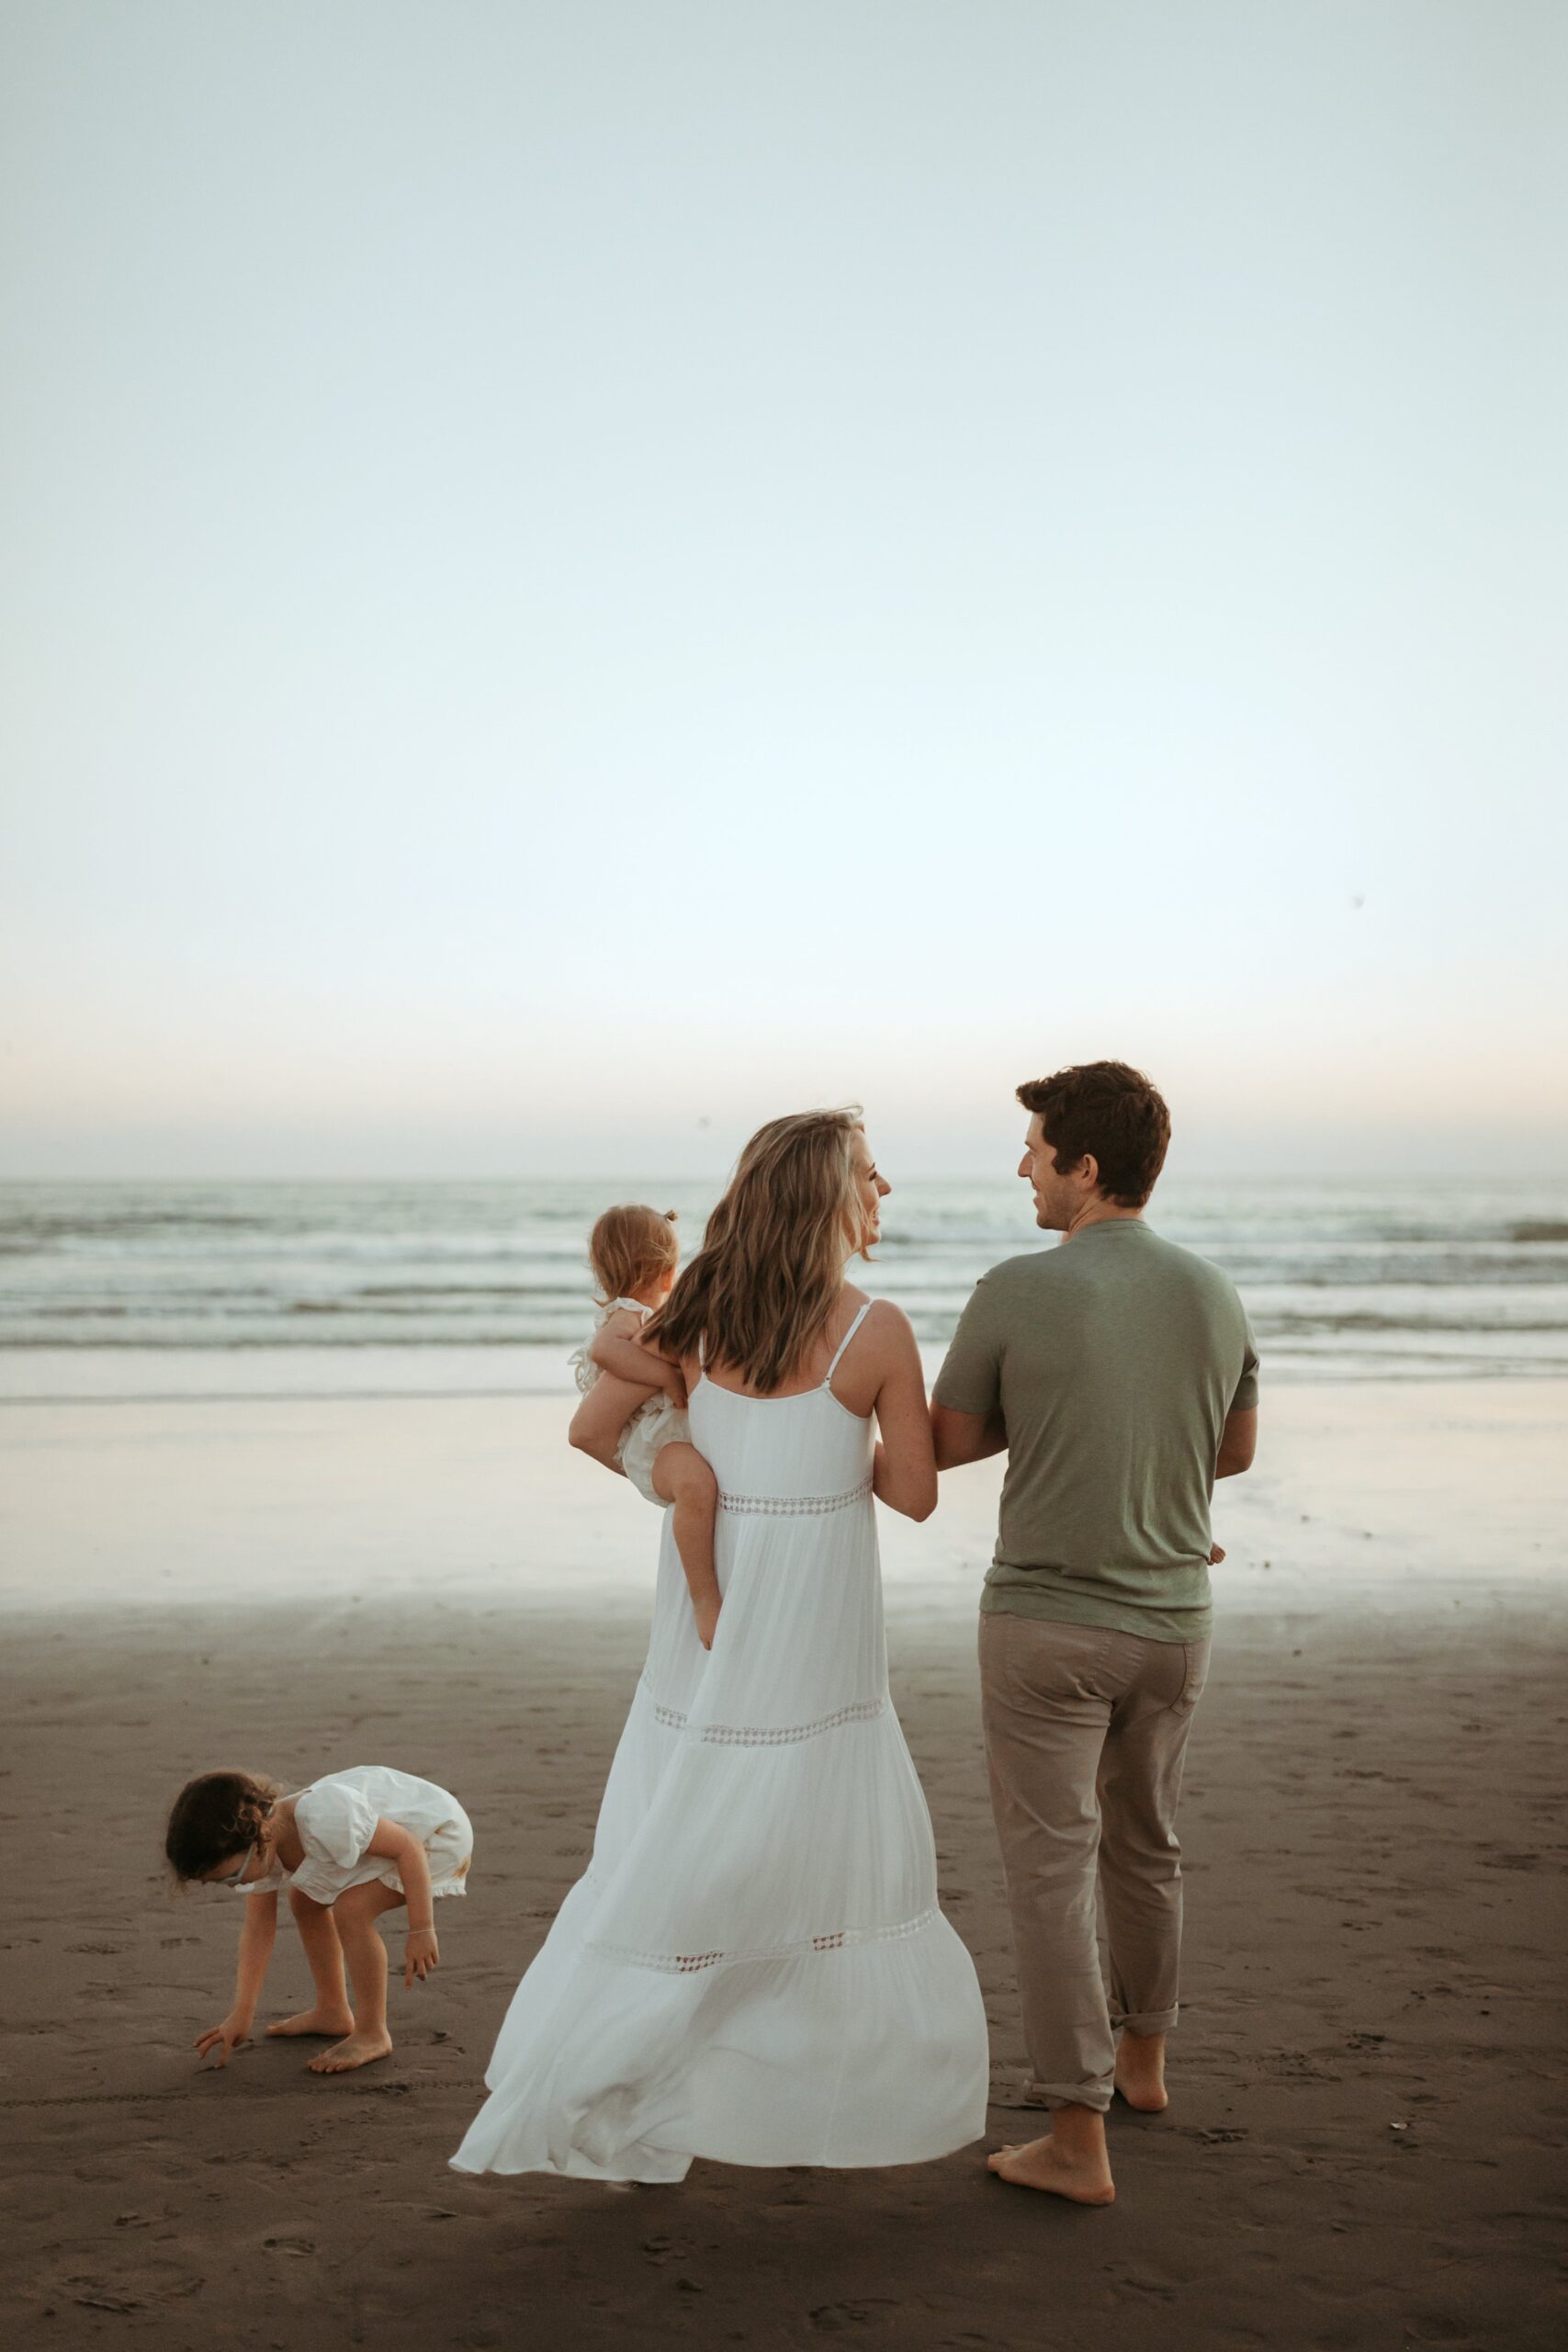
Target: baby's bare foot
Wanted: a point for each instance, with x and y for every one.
(1140, 2071)
(317, 2021)
(1040, 2164)
(359, 2050)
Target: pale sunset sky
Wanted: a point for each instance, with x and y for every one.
(581, 575)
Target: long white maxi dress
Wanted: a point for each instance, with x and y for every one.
(755, 1968)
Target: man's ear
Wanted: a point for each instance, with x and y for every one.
(1089, 1168)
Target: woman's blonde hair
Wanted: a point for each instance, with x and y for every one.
(630, 1248)
(759, 1293)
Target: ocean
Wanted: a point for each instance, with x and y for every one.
(228, 1287)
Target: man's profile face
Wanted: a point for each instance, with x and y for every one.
(1056, 1198)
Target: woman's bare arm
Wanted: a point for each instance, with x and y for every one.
(904, 1465)
(597, 1424)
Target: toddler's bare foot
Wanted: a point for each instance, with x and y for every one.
(1140, 2071)
(359, 2050)
(317, 2021)
(1040, 2164)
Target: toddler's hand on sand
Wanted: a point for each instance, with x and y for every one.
(420, 1954)
(706, 1615)
(1216, 1556)
(219, 2040)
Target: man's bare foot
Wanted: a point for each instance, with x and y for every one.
(359, 2050)
(317, 2021)
(1140, 2071)
(1040, 2164)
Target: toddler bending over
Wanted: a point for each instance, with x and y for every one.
(349, 1847)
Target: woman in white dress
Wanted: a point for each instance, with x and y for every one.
(754, 1967)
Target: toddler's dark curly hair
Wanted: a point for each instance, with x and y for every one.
(216, 1815)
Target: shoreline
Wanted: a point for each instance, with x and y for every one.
(368, 1370)
(1411, 1486)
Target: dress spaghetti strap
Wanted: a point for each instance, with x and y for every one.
(844, 1343)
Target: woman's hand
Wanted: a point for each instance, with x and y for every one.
(1216, 1556)
(706, 1612)
(420, 1954)
(219, 2040)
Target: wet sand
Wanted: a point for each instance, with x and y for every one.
(1363, 2147)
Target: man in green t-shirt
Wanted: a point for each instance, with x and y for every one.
(1118, 1373)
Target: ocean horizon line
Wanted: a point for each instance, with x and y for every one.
(1204, 1173)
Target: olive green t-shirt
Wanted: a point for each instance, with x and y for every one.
(1113, 1358)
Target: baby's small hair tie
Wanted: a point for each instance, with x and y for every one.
(672, 1216)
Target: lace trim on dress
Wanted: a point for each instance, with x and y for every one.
(685, 1963)
(793, 1505)
(865, 1710)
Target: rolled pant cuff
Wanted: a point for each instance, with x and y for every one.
(1095, 2094)
(1148, 2021)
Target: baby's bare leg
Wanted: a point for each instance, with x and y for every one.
(684, 1479)
(331, 2013)
(357, 1913)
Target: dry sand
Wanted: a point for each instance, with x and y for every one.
(1375, 1854)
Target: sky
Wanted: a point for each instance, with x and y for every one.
(582, 575)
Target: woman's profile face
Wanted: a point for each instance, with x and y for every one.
(871, 1189)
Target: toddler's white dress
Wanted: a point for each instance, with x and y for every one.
(336, 1818)
(754, 1967)
(658, 1423)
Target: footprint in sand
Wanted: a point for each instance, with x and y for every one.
(146, 2285)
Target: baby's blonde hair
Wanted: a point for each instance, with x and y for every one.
(630, 1248)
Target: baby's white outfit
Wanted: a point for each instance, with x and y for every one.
(336, 1818)
(658, 1423)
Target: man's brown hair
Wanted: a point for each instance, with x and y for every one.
(1110, 1110)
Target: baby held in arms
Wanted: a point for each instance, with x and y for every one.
(349, 1847)
(632, 1416)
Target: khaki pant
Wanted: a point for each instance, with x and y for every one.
(1085, 1731)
